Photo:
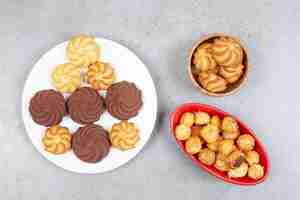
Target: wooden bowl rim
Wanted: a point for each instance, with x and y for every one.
(244, 76)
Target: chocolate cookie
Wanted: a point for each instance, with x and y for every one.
(47, 107)
(91, 143)
(123, 100)
(85, 105)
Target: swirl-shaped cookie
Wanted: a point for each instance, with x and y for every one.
(57, 140)
(124, 135)
(123, 100)
(231, 74)
(91, 143)
(212, 82)
(83, 50)
(227, 52)
(66, 77)
(47, 107)
(85, 105)
(101, 75)
(203, 59)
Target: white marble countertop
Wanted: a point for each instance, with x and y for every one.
(161, 33)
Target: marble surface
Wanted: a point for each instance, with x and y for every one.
(161, 33)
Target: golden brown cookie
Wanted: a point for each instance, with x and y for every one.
(183, 132)
(252, 157)
(214, 146)
(221, 163)
(203, 60)
(201, 118)
(210, 133)
(231, 74)
(193, 145)
(66, 77)
(256, 171)
(229, 124)
(124, 135)
(83, 50)
(57, 140)
(226, 147)
(238, 172)
(216, 121)
(236, 158)
(245, 142)
(212, 82)
(100, 75)
(207, 156)
(227, 52)
(187, 119)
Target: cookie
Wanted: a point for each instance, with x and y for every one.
(207, 156)
(83, 50)
(252, 157)
(66, 77)
(202, 118)
(221, 163)
(57, 140)
(91, 143)
(212, 82)
(124, 135)
(210, 133)
(193, 145)
(226, 147)
(246, 142)
(238, 172)
(203, 60)
(256, 171)
(47, 107)
(85, 105)
(123, 100)
(227, 52)
(100, 75)
(187, 119)
(182, 132)
(229, 124)
(231, 74)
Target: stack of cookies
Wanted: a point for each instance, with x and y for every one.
(219, 142)
(218, 63)
(78, 84)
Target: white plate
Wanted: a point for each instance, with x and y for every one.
(128, 67)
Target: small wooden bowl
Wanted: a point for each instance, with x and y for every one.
(233, 87)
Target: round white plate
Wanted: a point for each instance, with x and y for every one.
(128, 67)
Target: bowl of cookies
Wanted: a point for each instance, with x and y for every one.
(220, 144)
(218, 64)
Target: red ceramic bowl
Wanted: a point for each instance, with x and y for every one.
(194, 107)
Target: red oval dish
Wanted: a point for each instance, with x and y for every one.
(194, 107)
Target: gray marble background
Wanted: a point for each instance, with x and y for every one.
(160, 32)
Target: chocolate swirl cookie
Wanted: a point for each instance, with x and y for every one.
(47, 107)
(123, 100)
(91, 143)
(85, 105)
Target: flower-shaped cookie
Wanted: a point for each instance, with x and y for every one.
(231, 74)
(238, 172)
(124, 135)
(100, 75)
(203, 60)
(227, 52)
(66, 77)
(212, 82)
(256, 171)
(57, 140)
(83, 50)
